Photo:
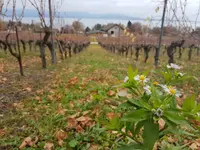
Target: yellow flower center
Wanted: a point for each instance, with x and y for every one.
(172, 90)
(142, 77)
(155, 83)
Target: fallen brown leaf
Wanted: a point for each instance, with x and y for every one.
(75, 115)
(79, 129)
(28, 89)
(28, 142)
(83, 119)
(4, 79)
(72, 123)
(161, 123)
(94, 147)
(110, 115)
(40, 91)
(85, 112)
(111, 93)
(71, 104)
(60, 110)
(61, 135)
(193, 146)
(38, 98)
(122, 93)
(1, 68)
(73, 81)
(19, 105)
(186, 141)
(2, 132)
(171, 140)
(48, 146)
(198, 141)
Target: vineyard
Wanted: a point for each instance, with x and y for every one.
(77, 103)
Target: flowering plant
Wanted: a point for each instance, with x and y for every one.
(151, 112)
(172, 75)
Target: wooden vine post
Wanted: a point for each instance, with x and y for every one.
(161, 35)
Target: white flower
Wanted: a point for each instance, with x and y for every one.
(173, 66)
(163, 86)
(141, 78)
(181, 74)
(147, 90)
(170, 90)
(126, 79)
(168, 66)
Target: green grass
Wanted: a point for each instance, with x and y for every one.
(97, 72)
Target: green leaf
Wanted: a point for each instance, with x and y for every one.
(174, 117)
(131, 73)
(167, 76)
(135, 102)
(188, 78)
(131, 147)
(73, 143)
(150, 134)
(145, 104)
(169, 100)
(130, 127)
(113, 124)
(139, 126)
(136, 116)
(146, 73)
(177, 131)
(125, 106)
(155, 97)
(196, 109)
(167, 146)
(189, 103)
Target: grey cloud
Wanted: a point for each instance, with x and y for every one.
(137, 8)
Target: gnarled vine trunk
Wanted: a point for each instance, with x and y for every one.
(17, 54)
(52, 52)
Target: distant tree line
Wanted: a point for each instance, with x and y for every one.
(170, 30)
(78, 27)
(4, 26)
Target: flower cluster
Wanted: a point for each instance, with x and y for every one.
(169, 90)
(147, 90)
(181, 74)
(141, 78)
(173, 66)
(153, 107)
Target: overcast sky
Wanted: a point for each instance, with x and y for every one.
(136, 8)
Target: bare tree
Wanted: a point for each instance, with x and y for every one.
(78, 26)
(136, 27)
(39, 5)
(67, 29)
(1, 7)
(51, 46)
(16, 19)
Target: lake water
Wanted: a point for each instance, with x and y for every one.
(90, 22)
(87, 22)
